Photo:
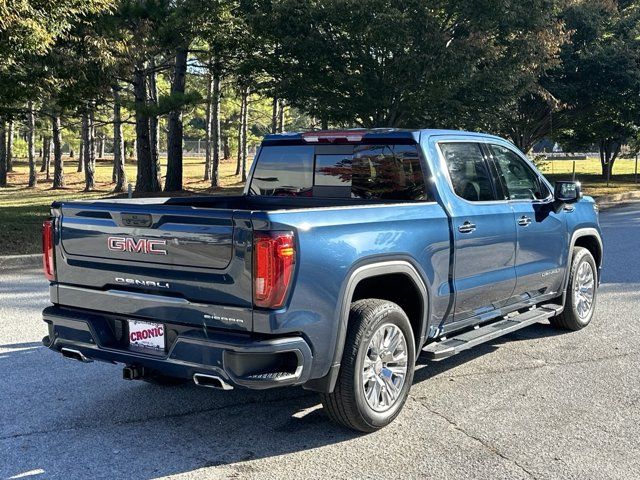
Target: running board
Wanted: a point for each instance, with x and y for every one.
(450, 346)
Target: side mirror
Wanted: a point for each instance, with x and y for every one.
(567, 192)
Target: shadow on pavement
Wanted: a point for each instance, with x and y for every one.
(73, 420)
(89, 411)
(539, 330)
(24, 345)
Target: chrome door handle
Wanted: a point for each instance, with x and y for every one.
(524, 221)
(467, 227)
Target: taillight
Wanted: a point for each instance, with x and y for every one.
(47, 250)
(274, 257)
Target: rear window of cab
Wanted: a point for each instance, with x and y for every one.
(385, 172)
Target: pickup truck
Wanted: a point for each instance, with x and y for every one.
(348, 254)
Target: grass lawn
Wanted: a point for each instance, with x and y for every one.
(587, 172)
(23, 209)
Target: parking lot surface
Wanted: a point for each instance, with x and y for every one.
(539, 403)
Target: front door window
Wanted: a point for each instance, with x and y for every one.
(520, 181)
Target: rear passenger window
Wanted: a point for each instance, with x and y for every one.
(468, 171)
(389, 172)
(385, 172)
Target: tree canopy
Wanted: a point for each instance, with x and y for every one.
(150, 73)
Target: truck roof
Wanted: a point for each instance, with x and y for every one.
(371, 134)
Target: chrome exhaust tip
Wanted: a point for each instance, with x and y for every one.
(211, 381)
(74, 354)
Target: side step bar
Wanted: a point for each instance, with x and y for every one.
(450, 346)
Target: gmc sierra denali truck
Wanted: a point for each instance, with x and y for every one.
(349, 253)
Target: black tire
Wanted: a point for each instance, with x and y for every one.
(570, 318)
(164, 380)
(347, 404)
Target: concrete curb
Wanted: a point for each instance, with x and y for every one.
(617, 199)
(10, 262)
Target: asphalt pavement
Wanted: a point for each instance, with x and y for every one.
(538, 403)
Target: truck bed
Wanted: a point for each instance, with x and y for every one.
(198, 267)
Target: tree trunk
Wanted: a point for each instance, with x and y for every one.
(94, 142)
(243, 107)
(244, 124)
(43, 167)
(58, 165)
(98, 143)
(10, 145)
(31, 146)
(226, 149)
(215, 134)
(114, 174)
(274, 115)
(3, 152)
(239, 156)
(518, 139)
(281, 116)
(154, 142)
(101, 146)
(118, 143)
(145, 178)
(173, 181)
(48, 176)
(80, 168)
(609, 151)
(46, 157)
(154, 129)
(88, 140)
(207, 125)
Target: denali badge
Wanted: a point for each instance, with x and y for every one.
(142, 245)
(142, 283)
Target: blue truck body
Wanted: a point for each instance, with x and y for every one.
(452, 264)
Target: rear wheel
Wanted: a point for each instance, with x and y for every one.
(581, 292)
(376, 369)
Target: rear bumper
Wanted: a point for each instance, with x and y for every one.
(240, 359)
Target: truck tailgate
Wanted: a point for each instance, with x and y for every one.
(148, 259)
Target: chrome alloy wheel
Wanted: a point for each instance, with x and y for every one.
(385, 367)
(584, 289)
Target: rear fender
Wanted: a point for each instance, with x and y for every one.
(361, 271)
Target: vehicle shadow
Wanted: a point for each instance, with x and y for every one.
(67, 419)
(21, 345)
(435, 368)
(88, 409)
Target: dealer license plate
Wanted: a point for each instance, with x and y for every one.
(146, 335)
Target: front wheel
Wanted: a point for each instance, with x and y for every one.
(377, 367)
(580, 300)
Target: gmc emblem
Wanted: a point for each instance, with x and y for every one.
(142, 245)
